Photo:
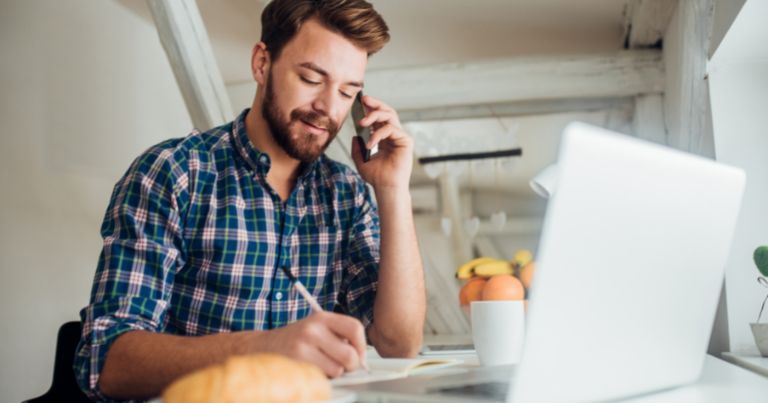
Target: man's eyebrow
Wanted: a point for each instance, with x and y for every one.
(319, 70)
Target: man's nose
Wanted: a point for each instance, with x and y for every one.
(327, 102)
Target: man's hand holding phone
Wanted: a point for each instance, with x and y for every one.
(391, 167)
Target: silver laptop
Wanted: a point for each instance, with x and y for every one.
(630, 266)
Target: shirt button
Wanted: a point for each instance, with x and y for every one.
(278, 295)
(264, 160)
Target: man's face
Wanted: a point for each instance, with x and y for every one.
(310, 88)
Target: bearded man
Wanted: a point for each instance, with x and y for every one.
(199, 229)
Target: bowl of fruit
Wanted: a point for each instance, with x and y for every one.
(492, 279)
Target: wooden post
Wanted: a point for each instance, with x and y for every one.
(646, 22)
(687, 110)
(648, 122)
(451, 201)
(686, 96)
(185, 41)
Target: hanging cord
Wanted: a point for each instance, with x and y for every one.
(512, 152)
(764, 283)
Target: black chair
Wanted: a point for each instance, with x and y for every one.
(64, 386)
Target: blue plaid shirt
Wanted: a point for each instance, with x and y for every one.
(194, 237)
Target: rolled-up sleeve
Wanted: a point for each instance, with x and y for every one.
(142, 249)
(361, 267)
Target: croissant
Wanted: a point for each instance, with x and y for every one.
(254, 378)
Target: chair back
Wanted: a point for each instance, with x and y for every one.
(64, 387)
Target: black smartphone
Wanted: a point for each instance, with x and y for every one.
(363, 133)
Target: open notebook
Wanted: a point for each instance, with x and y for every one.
(391, 368)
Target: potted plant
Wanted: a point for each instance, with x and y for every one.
(760, 330)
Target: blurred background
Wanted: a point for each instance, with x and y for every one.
(87, 86)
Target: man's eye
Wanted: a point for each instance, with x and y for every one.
(308, 81)
(346, 95)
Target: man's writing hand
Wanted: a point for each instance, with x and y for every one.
(333, 342)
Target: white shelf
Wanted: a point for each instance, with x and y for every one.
(753, 363)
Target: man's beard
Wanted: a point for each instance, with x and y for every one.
(303, 147)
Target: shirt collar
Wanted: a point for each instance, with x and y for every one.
(257, 159)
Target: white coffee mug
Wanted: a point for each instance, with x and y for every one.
(498, 329)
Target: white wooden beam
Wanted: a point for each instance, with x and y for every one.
(648, 122)
(486, 247)
(513, 226)
(520, 108)
(686, 107)
(424, 199)
(618, 74)
(686, 96)
(452, 209)
(618, 120)
(443, 313)
(186, 43)
(646, 21)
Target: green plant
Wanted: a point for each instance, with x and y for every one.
(761, 261)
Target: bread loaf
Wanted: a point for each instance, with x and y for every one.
(254, 378)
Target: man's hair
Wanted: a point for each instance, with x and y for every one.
(356, 20)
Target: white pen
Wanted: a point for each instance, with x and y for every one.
(312, 301)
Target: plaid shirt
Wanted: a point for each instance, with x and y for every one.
(194, 237)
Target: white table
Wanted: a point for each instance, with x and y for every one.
(720, 382)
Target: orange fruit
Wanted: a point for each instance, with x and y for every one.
(503, 287)
(471, 291)
(526, 274)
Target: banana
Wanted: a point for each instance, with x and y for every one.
(522, 257)
(497, 267)
(466, 271)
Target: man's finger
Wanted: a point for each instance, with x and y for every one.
(347, 327)
(375, 105)
(391, 132)
(380, 134)
(340, 351)
(329, 366)
(381, 116)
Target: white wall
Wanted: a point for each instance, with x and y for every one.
(85, 88)
(725, 13)
(738, 75)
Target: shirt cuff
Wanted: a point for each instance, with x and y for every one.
(101, 330)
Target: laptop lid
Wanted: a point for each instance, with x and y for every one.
(630, 266)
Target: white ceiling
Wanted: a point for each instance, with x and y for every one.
(435, 31)
(439, 31)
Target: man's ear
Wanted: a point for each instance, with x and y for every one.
(260, 62)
